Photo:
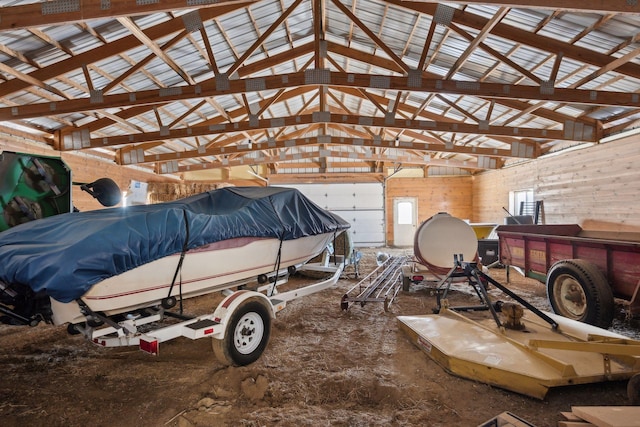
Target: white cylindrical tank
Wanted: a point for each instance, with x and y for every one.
(441, 237)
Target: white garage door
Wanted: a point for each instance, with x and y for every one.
(361, 204)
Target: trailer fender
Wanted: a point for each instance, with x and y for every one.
(246, 316)
(578, 290)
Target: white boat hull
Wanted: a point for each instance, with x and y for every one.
(204, 270)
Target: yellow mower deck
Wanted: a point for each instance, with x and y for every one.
(528, 361)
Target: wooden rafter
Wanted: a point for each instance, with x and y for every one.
(59, 12)
(614, 6)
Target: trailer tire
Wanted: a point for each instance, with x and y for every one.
(578, 290)
(633, 390)
(246, 335)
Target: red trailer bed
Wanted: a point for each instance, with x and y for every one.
(583, 270)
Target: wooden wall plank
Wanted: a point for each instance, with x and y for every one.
(434, 194)
(596, 187)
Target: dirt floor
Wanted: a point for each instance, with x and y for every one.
(323, 366)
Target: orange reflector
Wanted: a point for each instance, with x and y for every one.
(151, 347)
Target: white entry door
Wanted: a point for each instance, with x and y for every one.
(405, 220)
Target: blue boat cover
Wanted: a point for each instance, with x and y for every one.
(64, 255)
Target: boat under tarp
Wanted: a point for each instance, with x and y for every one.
(63, 257)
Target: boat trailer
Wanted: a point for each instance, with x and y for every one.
(240, 325)
(521, 349)
(381, 285)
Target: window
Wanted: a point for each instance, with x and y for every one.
(520, 200)
(405, 213)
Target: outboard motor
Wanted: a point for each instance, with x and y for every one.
(22, 306)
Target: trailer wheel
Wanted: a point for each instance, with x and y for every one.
(578, 290)
(633, 390)
(246, 336)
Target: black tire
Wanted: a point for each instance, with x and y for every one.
(168, 302)
(578, 290)
(72, 330)
(406, 283)
(246, 335)
(633, 390)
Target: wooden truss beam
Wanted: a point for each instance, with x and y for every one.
(124, 157)
(609, 6)
(221, 85)
(365, 160)
(571, 131)
(55, 12)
